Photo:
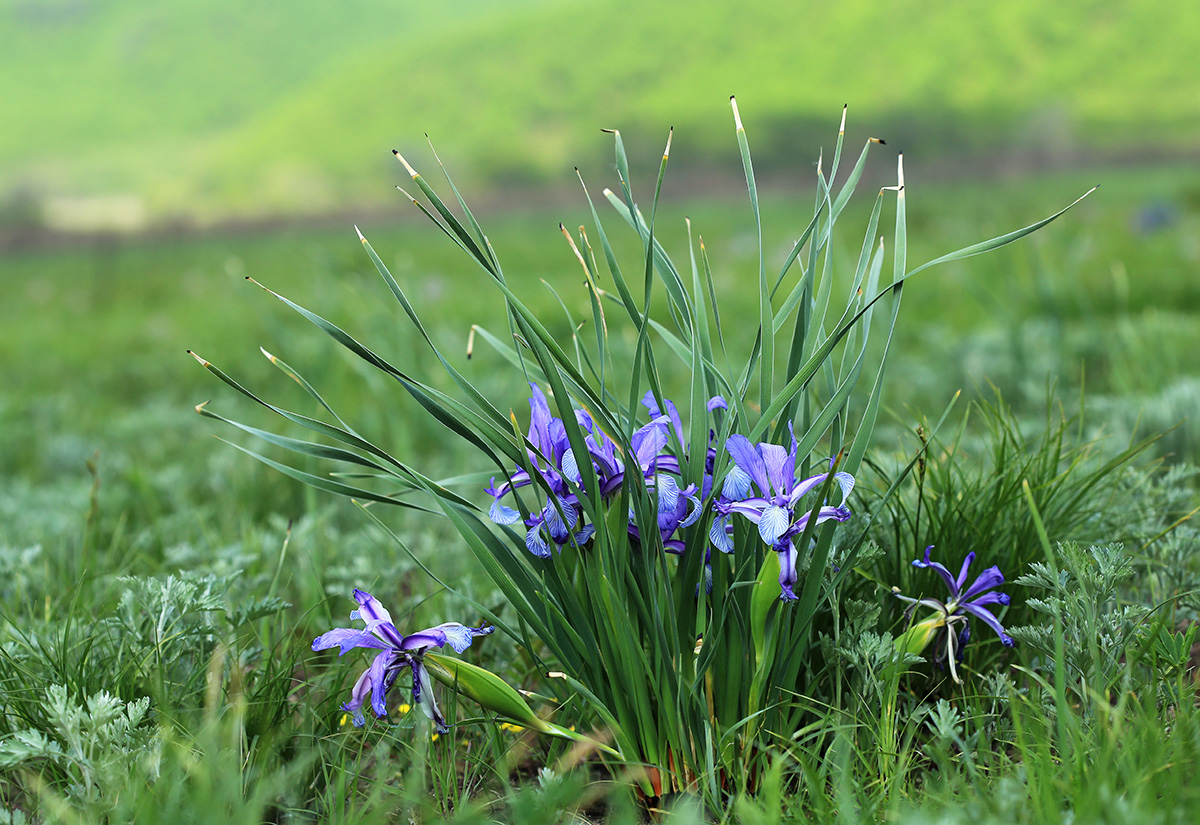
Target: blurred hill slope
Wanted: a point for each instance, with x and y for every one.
(217, 108)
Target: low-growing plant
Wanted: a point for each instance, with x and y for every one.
(699, 668)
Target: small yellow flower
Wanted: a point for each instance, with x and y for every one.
(404, 707)
(345, 718)
(510, 727)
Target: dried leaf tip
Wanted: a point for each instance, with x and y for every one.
(611, 131)
(268, 355)
(842, 128)
(900, 172)
(407, 168)
(667, 151)
(203, 363)
(737, 117)
(880, 141)
(200, 407)
(470, 342)
(360, 234)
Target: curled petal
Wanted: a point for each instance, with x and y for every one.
(423, 696)
(583, 535)
(717, 403)
(378, 620)
(536, 544)
(693, 516)
(502, 514)
(775, 459)
(823, 515)
(720, 534)
(672, 412)
(941, 570)
(846, 482)
(787, 571)
(358, 696)
(985, 616)
(668, 493)
(994, 597)
(369, 608)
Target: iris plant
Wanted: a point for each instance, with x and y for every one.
(770, 471)
(396, 652)
(964, 602)
(561, 519)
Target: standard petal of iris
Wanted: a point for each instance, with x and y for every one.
(963, 572)
(992, 577)
(747, 457)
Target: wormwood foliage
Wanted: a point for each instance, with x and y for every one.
(93, 740)
(692, 668)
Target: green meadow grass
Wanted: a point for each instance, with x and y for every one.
(246, 725)
(214, 108)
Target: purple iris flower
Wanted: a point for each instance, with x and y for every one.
(964, 602)
(677, 508)
(770, 470)
(396, 652)
(559, 519)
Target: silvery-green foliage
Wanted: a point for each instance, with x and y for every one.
(946, 723)
(175, 622)
(22, 572)
(1097, 628)
(94, 742)
(872, 656)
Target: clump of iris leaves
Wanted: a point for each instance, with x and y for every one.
(708, 596)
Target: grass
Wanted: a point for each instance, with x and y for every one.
(294, 112)
(249, 724)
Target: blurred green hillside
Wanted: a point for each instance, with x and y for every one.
(222, 109)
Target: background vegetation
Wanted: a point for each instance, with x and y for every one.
(114, 502)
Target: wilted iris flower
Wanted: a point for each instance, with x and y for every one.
(963, 603)
(770, 470)
(396, 652)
